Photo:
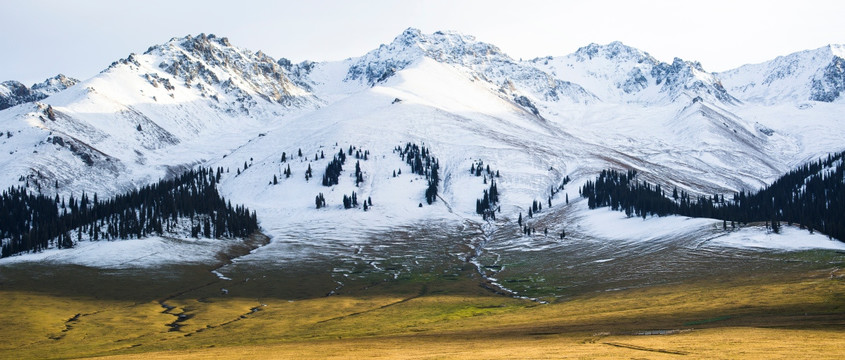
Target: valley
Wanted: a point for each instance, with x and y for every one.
(637, 304)
(355, 256)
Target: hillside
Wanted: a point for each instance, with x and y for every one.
(201, 101)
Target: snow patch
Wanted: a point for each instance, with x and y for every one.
(790, 239)
(135, 253)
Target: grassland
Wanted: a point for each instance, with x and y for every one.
(61, 311)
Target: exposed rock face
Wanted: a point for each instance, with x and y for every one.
(14, 93)
(208, 60)
(830, 85)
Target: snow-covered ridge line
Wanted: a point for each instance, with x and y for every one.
(200, 101)
(14, 93)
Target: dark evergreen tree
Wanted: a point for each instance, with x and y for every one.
(421, 161)
(811, 196)
(359, 175)
(333, 169)
(31, 222)
(320, 201)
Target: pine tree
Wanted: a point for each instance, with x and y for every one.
(320, 201)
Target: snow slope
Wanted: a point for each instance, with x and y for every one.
(199, 101)
(810, 75)
(176, 106)
(618, 73)
(149, 252)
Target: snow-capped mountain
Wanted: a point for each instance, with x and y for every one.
(810, 75)
(619, 73)
(13, 93)
(200, 101)
(478, 60)
(168, 107)
(212, 65)
(146, 114)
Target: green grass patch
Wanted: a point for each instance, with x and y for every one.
(707, 321)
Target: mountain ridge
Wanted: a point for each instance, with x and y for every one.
(178, 93)
(544, 127)
(14, 93)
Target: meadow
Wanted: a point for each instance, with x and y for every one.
(181, 311)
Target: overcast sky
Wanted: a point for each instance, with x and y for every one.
(41, 38)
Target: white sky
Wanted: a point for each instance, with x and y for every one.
(40, 38)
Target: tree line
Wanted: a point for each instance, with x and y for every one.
(31, 222)
(811, 196)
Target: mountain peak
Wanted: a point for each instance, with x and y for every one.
(837, 50)
(13, 92)
(409, 37)
(202, 41)
(411, 45)
(55, 84)
(815, 75)
(413, 36)
(613, 51)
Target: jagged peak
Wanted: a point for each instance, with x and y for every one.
(447, 46)
(409, 37)
(615, 50)
(837, 50)
(814, 74)
(679, 64)
(800, 58)
(202, 42)
(55, 84)
(14, 92)
(411, 45)
(196, 44)
(202, 39)
(413, 36)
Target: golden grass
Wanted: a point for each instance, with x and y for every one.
(800, 316)
(720, 343)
